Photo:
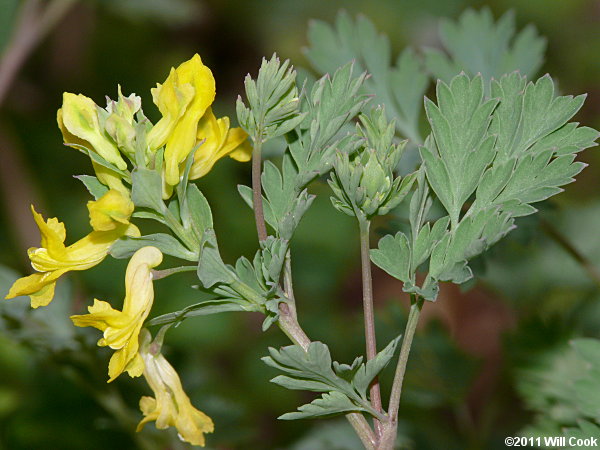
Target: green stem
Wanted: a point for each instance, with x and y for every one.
(288, 286)
(257, 200)
(369, 315)
(189, 241)
(159, 274)
(290, 326)
(411, 326)
(390, 428)
(288, 321)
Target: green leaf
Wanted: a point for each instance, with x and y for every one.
(519, 153)
(315, 363)
(211, 268)
(345, 371)
(400, 87)
(283, 204)
(202, 309)
(393, 254)
(366, 373)
(329, 107)
(312, 369)
(473, 235)
(93, 186)
(271, 258)
(146, 189)
(184, 181)
(477, 44)
(300, 384)
(427, 238)
(523, 119)
(167, 244)
(95, 157)
(196, 211)
(463, 149)
(342, 385)
(273, 101)
(247, 195)
(329, 404)
(145, 213)
(589, 349)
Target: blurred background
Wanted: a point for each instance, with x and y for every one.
(489, 360)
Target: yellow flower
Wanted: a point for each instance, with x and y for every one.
(110, 211)
(182, 100)
(79, 116)
(121, 328)
(171, 406)
(120, 122)
(105, 175)
(53, 258)
(219, 141)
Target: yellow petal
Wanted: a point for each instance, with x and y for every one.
(172, 99)
(53, 259)
(104, 174)
(68, 137)
(122, 328)
(80, 117)
(126, 359)
(182, 135)
(238, 140)
(232, 142)
(171, 405)
(39, 287)
(110, 210)
(52, 231)
(101, 315)
(44, 296)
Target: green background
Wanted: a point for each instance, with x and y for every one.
(462, 389)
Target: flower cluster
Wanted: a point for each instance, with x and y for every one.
(183, 145)
(364, 183)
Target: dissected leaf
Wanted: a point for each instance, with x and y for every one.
(344, 387)
(400, 87)
(476, 44)
(272, 101)
(329, 404)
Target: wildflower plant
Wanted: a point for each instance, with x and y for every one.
(496, 142)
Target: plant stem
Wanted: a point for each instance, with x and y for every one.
(257, 203)
(159, 274)
(367, 282)
(288, 321)
(290, 326)
(390, 428)
(288, 286)
(411, 326)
